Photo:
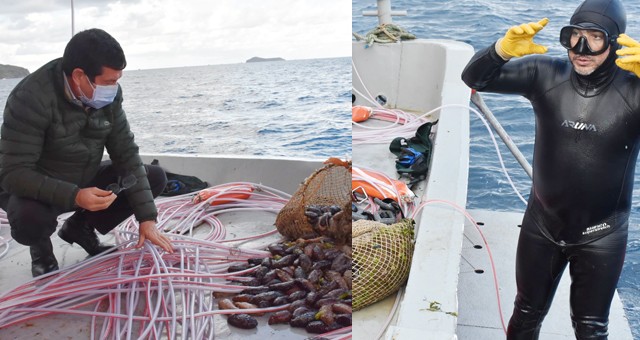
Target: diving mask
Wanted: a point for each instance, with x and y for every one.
(585, 39)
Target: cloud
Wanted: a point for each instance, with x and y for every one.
(22, 7)
(33, 6)
(170, 33)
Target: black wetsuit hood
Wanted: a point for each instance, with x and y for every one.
(611, 16)
(608, 14)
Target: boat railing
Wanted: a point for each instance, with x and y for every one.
(384, 12)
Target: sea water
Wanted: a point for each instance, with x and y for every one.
(480, 23)
(294, 108)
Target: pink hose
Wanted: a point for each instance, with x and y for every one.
(147, 291)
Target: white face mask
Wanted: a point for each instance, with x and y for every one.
(103, 95)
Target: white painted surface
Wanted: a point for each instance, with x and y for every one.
(478, 314)
(419, 76)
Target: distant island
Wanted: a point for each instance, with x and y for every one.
(9, 71)
(258, 59)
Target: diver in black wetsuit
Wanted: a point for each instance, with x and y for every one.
(587, 137)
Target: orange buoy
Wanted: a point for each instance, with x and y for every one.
(224, 194)
(376, 184)
(360, 113)
(338, 162)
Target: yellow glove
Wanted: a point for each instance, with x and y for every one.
(518, 41)
(632, 50)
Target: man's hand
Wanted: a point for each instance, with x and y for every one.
(631, 61)
(148, 231)
(94, 199)
(518, 41)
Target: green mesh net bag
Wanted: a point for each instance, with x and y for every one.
(381, 259)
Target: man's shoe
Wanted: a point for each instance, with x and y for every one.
(42, 258)
(81, 233)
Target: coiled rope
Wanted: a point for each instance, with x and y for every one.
(384, 34)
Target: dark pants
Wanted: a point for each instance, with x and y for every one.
(594, 268)
(32, 221)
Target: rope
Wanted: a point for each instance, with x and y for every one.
(384, 34)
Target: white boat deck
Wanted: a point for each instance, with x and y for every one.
(412, 76)
(16, 270)
(282, 174)
(478, 317)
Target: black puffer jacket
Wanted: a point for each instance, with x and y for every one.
(50, 147)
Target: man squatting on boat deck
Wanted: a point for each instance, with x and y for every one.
(587, 113)
(57, 123)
